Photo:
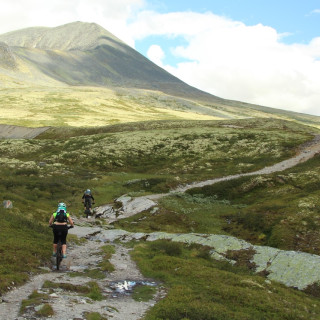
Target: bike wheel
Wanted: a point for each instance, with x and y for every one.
(59, 255)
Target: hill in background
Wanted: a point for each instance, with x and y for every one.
(80, 74)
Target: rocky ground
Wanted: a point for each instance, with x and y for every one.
(117, 302)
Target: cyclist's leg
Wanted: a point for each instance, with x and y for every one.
(64, 232)
(55, 240)
(90, 204)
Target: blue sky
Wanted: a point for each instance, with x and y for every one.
(265, 52)
(297, 20)
(297, 17)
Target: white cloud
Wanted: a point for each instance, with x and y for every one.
(235, 61)
(112, 15)
(315, 11)
(156, 54)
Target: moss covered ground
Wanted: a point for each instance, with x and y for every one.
(201, 288)
(140, 158)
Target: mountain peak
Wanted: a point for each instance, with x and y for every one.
(72, 36)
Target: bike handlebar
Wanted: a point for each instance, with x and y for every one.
(69, 227)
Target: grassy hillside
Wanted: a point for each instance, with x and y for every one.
(79, 74)
(151, 157)
(60, 105)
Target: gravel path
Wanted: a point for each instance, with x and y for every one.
(305, 152)
(131, 206)
(70, 305)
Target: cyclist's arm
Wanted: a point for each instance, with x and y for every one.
(51, 220)
(70, 221)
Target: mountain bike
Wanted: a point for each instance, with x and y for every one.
(59, 250)
(88, 208)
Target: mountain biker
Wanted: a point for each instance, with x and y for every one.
(59, 220)
(88, 198)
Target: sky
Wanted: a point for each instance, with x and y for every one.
(264, 52)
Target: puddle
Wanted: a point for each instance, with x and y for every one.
(78, 268)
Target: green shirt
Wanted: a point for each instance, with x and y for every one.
(55, 215)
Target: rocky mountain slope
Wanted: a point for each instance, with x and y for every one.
(84, 54)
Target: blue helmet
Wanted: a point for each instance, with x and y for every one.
(62, 206)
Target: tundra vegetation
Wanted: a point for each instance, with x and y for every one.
(139, 158)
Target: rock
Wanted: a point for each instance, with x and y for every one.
(291, 268)
(105, 211)
(7, 204)
(133, 206)
(39, 307)
(294, 269)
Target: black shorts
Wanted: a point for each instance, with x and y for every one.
(89, 201)
(60, 231)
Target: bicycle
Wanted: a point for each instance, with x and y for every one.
(88, 209)
(59, 250)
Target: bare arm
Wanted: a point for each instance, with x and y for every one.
(51, 220)
(70, 221)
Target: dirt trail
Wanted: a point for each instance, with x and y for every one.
(70, 305)
(305, 152)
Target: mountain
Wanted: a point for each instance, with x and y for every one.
(84, 54)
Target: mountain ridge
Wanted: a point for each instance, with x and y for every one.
(93, 57)
(65, 37)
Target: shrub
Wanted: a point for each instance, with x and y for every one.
(167, 247)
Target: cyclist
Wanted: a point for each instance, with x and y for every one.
(59, 220)
(88, 198)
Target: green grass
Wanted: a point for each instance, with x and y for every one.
(143, 293)
(107, 251)
(94, 316)
(199, 288)
(25, 245)
(36, 299)
(46, 311)
(182, 213)
(90, 290)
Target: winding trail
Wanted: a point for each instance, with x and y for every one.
(305, 152)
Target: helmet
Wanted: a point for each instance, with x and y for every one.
(62, 206)
(88, 190)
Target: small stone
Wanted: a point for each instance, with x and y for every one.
(37, 308)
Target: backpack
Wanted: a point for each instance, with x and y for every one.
(61, 216)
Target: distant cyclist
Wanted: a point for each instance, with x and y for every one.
(88, 198)
(59, 220)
